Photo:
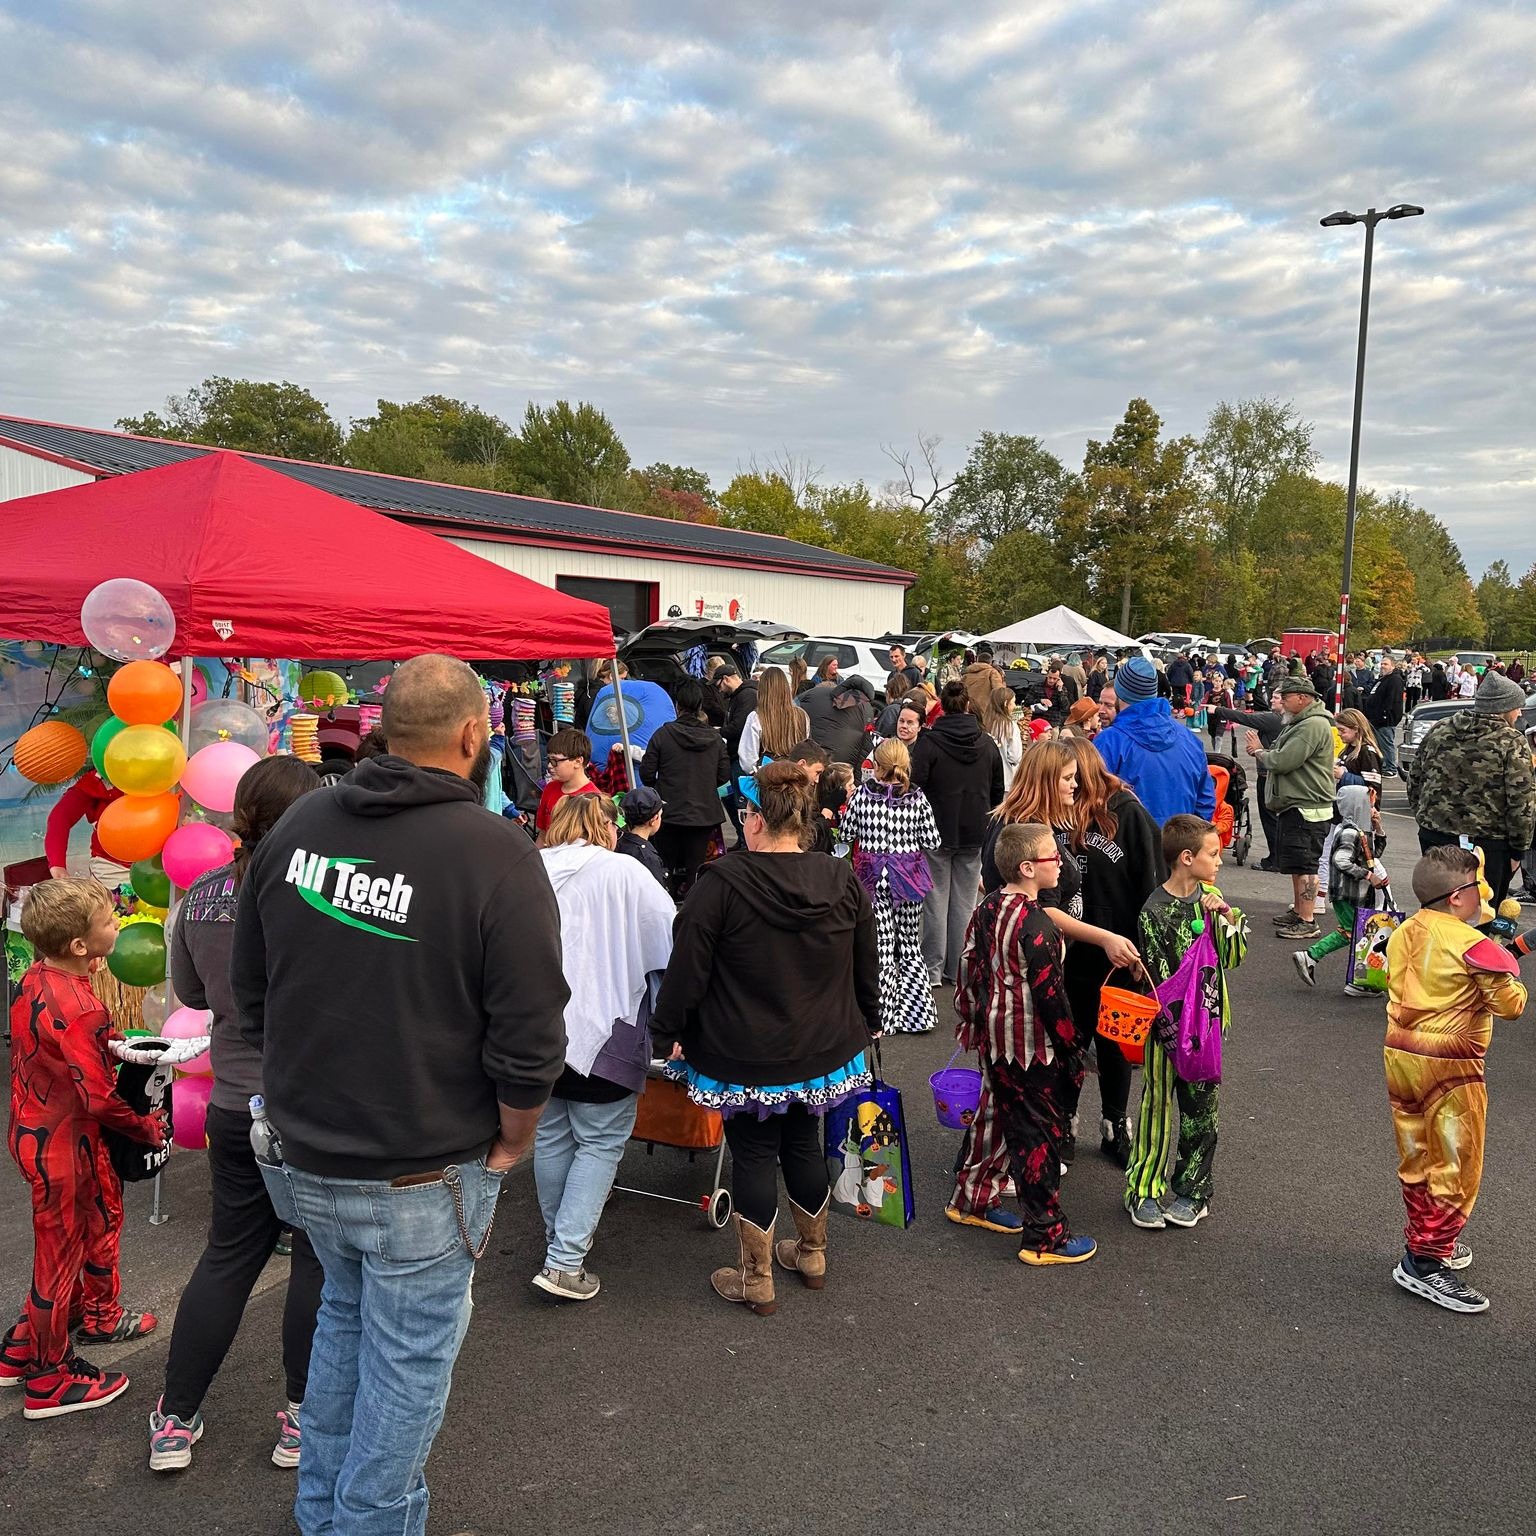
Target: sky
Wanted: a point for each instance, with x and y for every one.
(814, 228)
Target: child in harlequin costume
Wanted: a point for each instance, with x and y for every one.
(1178, 1119)
(63, 1092)
(1011, 1000)
(1446, 983)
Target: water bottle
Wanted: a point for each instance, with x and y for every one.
(265, 1142)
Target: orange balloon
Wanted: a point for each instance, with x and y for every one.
(51, 752)
(137, 826)
(144, 693)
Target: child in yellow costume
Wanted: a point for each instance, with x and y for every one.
(1446, 984)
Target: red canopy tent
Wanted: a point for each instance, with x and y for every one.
(254, 563)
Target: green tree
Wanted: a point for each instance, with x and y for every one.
(1008, 483)
(250, 415)
(1522, 614)
(765, 502)
(435, 438)
(1246, 448)
(1444, 594)
(943, 596)
(1496, 594)
(678, 477)
(571, 453)
(1297, 540)
(1022, 573)
(1131, 518)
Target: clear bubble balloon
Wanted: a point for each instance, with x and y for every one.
(192, 811)
(227, 720)
(128, 620)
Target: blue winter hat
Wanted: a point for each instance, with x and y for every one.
(1135, 679)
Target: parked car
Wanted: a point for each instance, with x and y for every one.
(656, 652)
(1172, 641)
(1475, 659)
(1427, 716)
(1261, 645)
(869, 659)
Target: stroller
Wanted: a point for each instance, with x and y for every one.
(1233, 817)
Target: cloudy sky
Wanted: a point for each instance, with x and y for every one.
(820, 225)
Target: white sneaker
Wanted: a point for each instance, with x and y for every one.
(1306, 967)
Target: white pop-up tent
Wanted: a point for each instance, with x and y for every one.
(1061, 628)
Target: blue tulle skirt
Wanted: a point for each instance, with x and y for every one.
(817, 1094)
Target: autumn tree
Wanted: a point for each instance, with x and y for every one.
(250, 415)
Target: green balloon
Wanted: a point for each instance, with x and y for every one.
(102, 740)
(138, 959)
(150, 882)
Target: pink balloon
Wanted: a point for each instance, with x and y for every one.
(189, 1112)
(193, 849)
(188, 1024)
(213, 772)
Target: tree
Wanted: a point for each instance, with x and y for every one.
(249, 415)
(766, 503)
(1246, 448)
(1008, 483)
(1130, 518)
(943, 596)
(1022, 573)
(571, 453)
(677, 477)
(910, 487)
(1522, 615)
(1496, 601)
(1446, 600)
(435, 438)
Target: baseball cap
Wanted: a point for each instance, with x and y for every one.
(640, 805)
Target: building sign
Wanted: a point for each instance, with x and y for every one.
(714, 605)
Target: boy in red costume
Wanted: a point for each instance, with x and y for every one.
(63, 1092)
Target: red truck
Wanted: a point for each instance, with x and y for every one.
(1306, 642)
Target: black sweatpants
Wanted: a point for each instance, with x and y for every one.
(242, 1233)
(1267, 821)
(683, 850)
(793, 1141)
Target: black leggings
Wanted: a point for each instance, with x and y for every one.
(683, 850)
(241, 1236)
(792, 1141)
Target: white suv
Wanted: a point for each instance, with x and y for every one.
(868, 659)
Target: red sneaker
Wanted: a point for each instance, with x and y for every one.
(15, 1358)
(130, 1325)
(71, 1387)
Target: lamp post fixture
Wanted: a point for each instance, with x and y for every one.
(1370, 218)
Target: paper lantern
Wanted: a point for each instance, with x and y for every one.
(144, 693)
(193, 849)
(138, 957)
(137, 826)
(150, 882)
(211, 776)
(324, 689)
(189, 1024)
(144, 759)
(128, 620)
(189, 1112)
(50, 753)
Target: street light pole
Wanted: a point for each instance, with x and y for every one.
(1370, 218)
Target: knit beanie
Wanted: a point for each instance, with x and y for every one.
(1496, 695)
(1135, 679)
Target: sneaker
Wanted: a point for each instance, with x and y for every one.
(1350, 990)
(1069, 1145)
(70, 1388)
(286, 1452)
(1115, 1142)
(1281, 919)
(1461, 1256)
(284, 1249)
(1147, 1213)
(1184, 1212)
(562, 1283)
(1306, 967)
(1074, 1251)
(997, 1218)
(15, 1358)
(131, 1325)
(1300, 929)
(1440, 1285)
(171, 1439)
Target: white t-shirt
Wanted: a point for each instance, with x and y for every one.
(1467, 687)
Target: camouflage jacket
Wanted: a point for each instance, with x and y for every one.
(1472, 775)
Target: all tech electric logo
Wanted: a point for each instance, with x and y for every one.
(359, 900)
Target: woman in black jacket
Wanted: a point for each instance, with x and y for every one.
(1119, 855)
(772, 995)
(686, 764)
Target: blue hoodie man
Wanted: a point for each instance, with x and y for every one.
(1161, 760)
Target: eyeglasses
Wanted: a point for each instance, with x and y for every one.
(555, 759)
(1456, 890)
(1044, 858)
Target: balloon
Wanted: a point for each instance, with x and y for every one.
(150, 882)
(192, 811)
(128, 620)
(144, 693)
(137, 826)
(188, 1024)
(50, 753)
(193, 849)
(138, 958)
(153, 1007)
(144, 760)
(212, 775)
(106, 733)
(227, 720)
(189, 1112)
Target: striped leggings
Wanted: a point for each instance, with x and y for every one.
(1178, 1121)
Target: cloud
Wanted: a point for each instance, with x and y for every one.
(824, 225)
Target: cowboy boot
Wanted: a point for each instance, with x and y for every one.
(750, 1281)
(807, 1253)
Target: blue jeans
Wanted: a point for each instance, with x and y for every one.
(1386, 739)
(575, 1157)
(392, 1317)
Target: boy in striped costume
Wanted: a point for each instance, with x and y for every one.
(1175, 1114)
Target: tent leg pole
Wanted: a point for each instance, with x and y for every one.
(618, 700)
(157, 1215)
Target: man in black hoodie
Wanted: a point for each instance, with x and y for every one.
(957, 765)
(397, 964)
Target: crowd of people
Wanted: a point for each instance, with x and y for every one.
(513, 991)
